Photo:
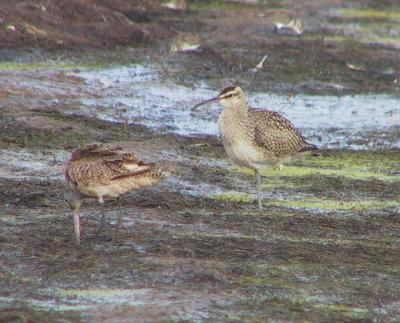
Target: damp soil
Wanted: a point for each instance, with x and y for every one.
(194, 247)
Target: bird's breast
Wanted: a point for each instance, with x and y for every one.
(238, 145)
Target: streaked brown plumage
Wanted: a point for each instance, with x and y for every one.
(104, 171)
(256, 138)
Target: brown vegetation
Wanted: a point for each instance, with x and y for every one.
(53, 24)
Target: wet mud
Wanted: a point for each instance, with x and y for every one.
(195, 247)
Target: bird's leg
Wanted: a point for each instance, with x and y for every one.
(100, 226)
(77, 227)
(120, 215)
(252, 81)
(101, 202)
(258, 178)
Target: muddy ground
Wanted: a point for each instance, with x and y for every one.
(345, 48)
(195, 248)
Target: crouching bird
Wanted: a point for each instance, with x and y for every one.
(104, 171)
(256, 138)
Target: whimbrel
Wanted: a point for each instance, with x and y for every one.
(256, 138)
(103, 171)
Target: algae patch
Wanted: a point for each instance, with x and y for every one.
(237, 198)
(351, 165)
(350, 311)
(102, 294)
(296, 171)
(15, 66)
(370, 25)
(369, 13)
(219, 5)
(340, 181)
(325, 204)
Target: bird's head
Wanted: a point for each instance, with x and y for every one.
(228, 97)
(72, 199)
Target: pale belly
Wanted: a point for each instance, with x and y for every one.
(102, 192)
(244, 154)
(239, 148)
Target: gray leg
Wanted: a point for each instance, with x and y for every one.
(120, 216)
(100, 226)
(258, 178)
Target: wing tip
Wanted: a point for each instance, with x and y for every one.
(311, 148)
(140, 171)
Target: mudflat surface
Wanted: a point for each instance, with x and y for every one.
(195, 247)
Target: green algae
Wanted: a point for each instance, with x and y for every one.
(374, 33)
(369, 13)
(370, 25)
(349, 311)
(340, 181)
(218, 5)
(319, 203)
(296, 171)
(379, 161)
(383, 166)
(388, 41)
(238, 198)
(29, 66)
(326, 204)
(274, 305)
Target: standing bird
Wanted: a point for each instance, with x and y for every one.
(103, 171)
(258, 138)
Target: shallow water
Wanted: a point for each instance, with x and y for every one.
(32, 164)
(105, 300)
(136, 94)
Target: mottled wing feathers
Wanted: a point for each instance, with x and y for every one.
(277, 134)
(100, 164)
(132, 174)
(95, 150)
(126, 165)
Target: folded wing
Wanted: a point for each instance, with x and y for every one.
(277, 134)
(103, 164)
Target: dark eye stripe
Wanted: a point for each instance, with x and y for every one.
(227, 89)
(229, 96)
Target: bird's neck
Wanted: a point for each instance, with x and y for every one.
(234, 121)
(239, 108)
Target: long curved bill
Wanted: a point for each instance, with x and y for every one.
(77, 227)
(205, 102)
